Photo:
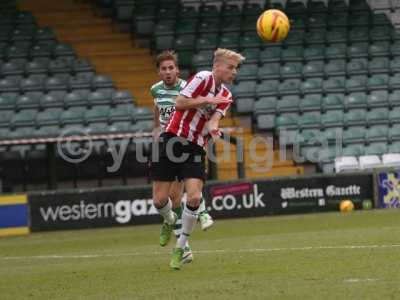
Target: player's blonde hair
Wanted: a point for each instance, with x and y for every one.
(226, 53)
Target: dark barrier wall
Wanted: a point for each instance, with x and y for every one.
(130, 206)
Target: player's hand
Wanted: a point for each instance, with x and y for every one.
(215, 134)
(156, 133)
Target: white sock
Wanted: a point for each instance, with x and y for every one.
(166, 212)
(189, 219)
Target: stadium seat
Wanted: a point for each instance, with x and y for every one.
(267, 88)
(376, 148)
(270, 55)
(336, 51)
(312, 85)
(379, 98)
(245, 89)
(313, 69)
(315, 36)
(207, 42)
(357, 66)
(381, 33)
(48, 117)
(346, 163)
(356, 50)
(332, 118)
(368, 162)
(316, 7)
(377, 133)
(391, 160)
(265, 122)
(248, 72)
(29, 100)
(310, 102)
(333, 102)
(336, 35)
(394, 98)
(59, 82)
(287, 120)
(290, 87)
(394, 115)
(268, 71)
(394, 82)
(250, 41)
(354, 134)
(265, 105)
(202, 59)
(379, 49)
(395, 64)
(76, 98)
(252, 55)
(74, 115)
(356, 83)
(291, 70)
(314, 52)
(354, 150)
(334, 84)
(378, 82)
(245, 105)
(8, 101)
(378, 116)
(335, 67)
(309, 120)
(121, 112)
(355, 117)
(295, 37)
(356, 100)
(395, 48)
(379, 65)
(288, 104)
(24, 117)
(338, 19)
(359, 34)
(294, 53)
(394, 147)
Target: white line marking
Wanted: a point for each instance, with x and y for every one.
(356, 280)
(216, 251)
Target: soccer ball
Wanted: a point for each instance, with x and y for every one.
(273, 25)
(346, 206)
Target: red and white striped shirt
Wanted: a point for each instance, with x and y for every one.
(190, 124)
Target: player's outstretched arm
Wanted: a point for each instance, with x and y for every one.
(213, 125)
(183, 103)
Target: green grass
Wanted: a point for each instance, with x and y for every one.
(290, 257)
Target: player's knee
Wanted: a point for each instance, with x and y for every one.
(160, 199)
(193, 200)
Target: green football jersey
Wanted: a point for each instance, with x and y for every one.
(164, 97)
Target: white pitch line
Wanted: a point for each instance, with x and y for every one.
(216, 251)
(357, 280)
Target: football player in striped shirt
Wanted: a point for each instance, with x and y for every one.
(201, 104)
(164, 94)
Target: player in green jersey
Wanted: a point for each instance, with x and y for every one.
(164, 94)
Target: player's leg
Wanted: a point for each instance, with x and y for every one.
(193, 187)
(179, 200)
(163, 204)
(206, 221)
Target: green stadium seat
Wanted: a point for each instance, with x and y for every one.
(394, 82)
(74, 115)
(294, 53)
(270, 55)
(8, 101)
(230, 10)
(379, 65)
(312, 85)
(76, 98)
(309, 136)
(356, 100)
(267, 88)
(47, 117)
(165, 13)
(317, 21)
(336, 35)
(53, 99)
(12, 68)
(22, 132)
(245, 89)
(376, 148)
(380, 19)
(244, 105)
(336, 67)
(119, 97)
(59, 65)
(186, 26)
(291, 70)
(121, 112)
(63, 50)
(337, 6)
(332, 118)
(336, 51)
(378, 82)
(229, 41)
(395, 49)
(334, 84)
(395, 64)
(394, 148)
(378, 116)
(354, 134)
(29, 100)
(164, 27)
(378, 98)
(379, 49)
(9, 85)
(313, 69)
(316, 7)
(333, 135)
(250, 41)
(394, 98)
(37, 66)
(188, 12)
(357, 66)
(100, 97)
(185, 42)
(295, 7)
(357, 50)
(355, 117)
(207, 42)
(24, 117)
(359, 34)
(96, 114)
(247, 24)
(287, 120)
(208, 26)
(315, 36)
(354, 150)
(268, 71)
(381, 33)
(290, 87)
(314, 52)
(227, 26)
(97, 128)
(203, 58)
(32, 83)
(251, 9)
(297, 22)
(265, 122)
(359, 19)
(311, 102)
(394, 133)
(164, 42)
(288, 104)
(309, 120)
(47, 131)
(356, 83)
(265, 105)
(338, 19)
(209, 11)
(57, 82)
(252, 55)
(394, 115)
(5, 118)
(394, 35)
(377, 133)
(295, 37)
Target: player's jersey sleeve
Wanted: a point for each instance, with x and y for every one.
(195, 86)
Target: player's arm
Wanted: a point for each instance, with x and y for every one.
(213, 125)
(156, 118)
(183, 102)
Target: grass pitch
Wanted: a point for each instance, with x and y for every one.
(315, 256)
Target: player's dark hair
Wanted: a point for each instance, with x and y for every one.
(167, 55)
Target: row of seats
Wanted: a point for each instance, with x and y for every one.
(337, 84)
(63, 99)
(63, 82)
(366, 162)
(45, 65)
(73, 128)
(357, 66)
(73, 115)
(331, 118)
(15, 18)
(33, 50)
(31, 33)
